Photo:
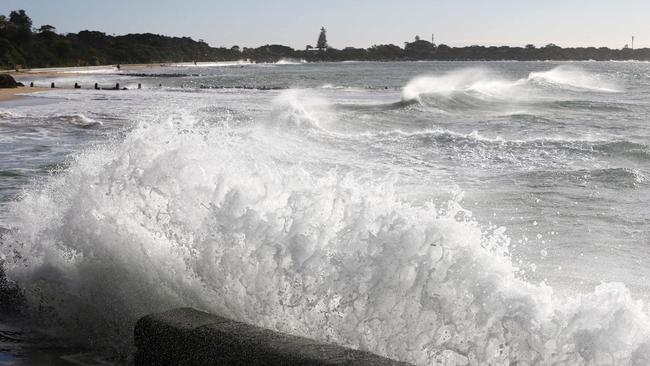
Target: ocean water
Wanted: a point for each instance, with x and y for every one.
(453, 213)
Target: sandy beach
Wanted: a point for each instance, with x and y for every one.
(83, 70)
(15, 93)
(43, 76)
(56, 72)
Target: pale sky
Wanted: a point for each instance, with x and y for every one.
(360, 23)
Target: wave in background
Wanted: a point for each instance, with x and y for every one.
(76, 119)
(290, 61)
(482, 89)
(573, 77)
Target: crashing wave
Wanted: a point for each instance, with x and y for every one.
(481, 89)
(178, 215)
(291, 61)
(78, 119)
(567, 76)
(211, 64)
(9, 114)
(295, 108)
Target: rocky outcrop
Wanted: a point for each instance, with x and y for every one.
(7, 81)
(11, 297)
(191, 337)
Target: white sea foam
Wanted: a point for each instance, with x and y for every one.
(460, 81)
(179, 215)
(291, 61)
(339, 87)
(76, 70)
(573, 77)
(106, 70)
(475, 135)
(79, 120)
(212, 64)
(8, 114)
(484, 84)
(298, 108)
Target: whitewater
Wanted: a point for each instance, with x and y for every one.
(438, 213)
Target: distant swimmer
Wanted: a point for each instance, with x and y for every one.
(118, 66)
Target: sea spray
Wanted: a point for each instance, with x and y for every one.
(573, 77)
(298, 109)
(180, 215)
(454, 82)
(483, 90)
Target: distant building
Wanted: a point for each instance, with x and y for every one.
(420, 45)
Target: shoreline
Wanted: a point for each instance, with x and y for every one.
(10, 94)
(111, 68)
(63, 71)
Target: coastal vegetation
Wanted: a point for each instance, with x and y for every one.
(26, 46)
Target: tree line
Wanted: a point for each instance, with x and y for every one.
(30, 47)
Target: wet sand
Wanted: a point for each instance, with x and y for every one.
(85, 70)
(14, 93)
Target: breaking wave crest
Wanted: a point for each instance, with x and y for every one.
(290, 61)
(296, 109)
(460, 81)
(566, 76)
(179, 215)
(482, 89)
(77, 119)
(8, 114)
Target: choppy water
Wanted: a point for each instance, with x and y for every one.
(452, 213)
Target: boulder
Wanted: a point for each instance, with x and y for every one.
(11, 298)
(194, 338)
(7, 81)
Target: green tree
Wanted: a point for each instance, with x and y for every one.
(420, 49)
(19, 27)
(47, 28)
(322, 39)
(20, 19)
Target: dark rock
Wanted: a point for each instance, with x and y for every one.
(7, 81)
(12, 300)
(18, 83)
(191, 337)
